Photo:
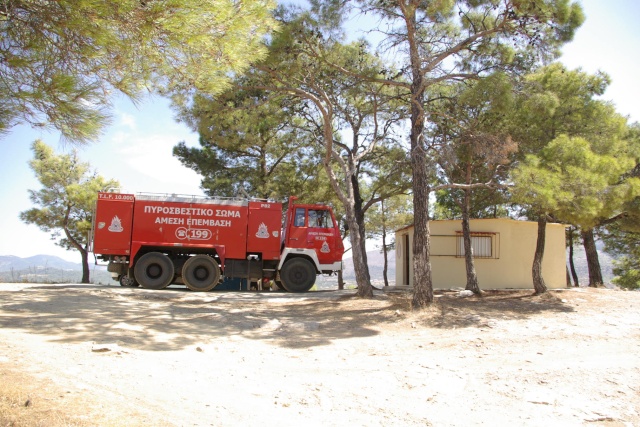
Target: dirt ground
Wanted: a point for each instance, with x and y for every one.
(105, 355)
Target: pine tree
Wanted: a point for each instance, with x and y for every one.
(62, 59)
(66, 200)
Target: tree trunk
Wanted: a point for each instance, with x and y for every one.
(384, 246)
(340, 280)
(348, 200)
(385, 254)
(538, 281)
(359, 264)
(422, 280)
(422, 285)
(78, 246)
(595, 273)
(85, 266)
(472, 278)
(572, 266)
(359, 214)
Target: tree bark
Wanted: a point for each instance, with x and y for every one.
(422, 284)
(572, 266)
(384, 246)
(385, 254)
(85, 266)
(595, 273)
(348, 198)
(340, 280)
(83, 252)
(365, 290)
(538, 281)
(422, 279)
(472, 278)
(360, 218)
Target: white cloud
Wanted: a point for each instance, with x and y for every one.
(151, 156)
(119, 137)
(128, 120)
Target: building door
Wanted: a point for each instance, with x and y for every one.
(406, 264)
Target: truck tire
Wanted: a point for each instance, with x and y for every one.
(154, 270)
(278, 284)
(298, 275)
(201, 273)
(126, 280)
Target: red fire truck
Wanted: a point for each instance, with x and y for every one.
(155, 240)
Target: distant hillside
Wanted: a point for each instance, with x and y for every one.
(580, 261)
(47, 269)
(375, 260)
(9, 262)
(52, 269)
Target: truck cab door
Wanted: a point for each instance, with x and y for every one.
(314, 227)
(297, 237)
(323, 235)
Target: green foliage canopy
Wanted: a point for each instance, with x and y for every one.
(60, 60)
(250, 140)
(576, 148)
(67, 198)
(469, 127)
(624, 245)
(575, 183)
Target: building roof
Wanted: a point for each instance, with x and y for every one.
(410, 226)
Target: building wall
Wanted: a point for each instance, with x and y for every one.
(513, 245)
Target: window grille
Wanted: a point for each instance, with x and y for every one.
(484, 245)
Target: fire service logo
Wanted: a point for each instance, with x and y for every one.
(116, 225)
(263, 231)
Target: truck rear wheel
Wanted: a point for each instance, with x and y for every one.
(298, 275)
(201, 273)
(154, 270)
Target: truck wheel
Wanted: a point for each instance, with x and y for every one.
(298, 275)
(201, 273)
(125, 280)
(154, 271)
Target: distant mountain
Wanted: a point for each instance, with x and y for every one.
(9, 262)
(47, 269)
(580, 262)
(375, 260)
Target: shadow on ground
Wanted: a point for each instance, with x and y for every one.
(173, 319)
(483, 311)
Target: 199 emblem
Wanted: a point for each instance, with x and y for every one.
(183, 233)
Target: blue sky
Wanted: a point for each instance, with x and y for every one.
(136, 148)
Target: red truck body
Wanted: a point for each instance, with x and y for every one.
(156, 240)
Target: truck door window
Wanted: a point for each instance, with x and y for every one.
(320, 218)
(299, 222)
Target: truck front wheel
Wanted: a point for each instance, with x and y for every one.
(154, 271)
(298, 275)
(201, 273)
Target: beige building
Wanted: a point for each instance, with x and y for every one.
(503, 250)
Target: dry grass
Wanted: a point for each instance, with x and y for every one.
(27, 402)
